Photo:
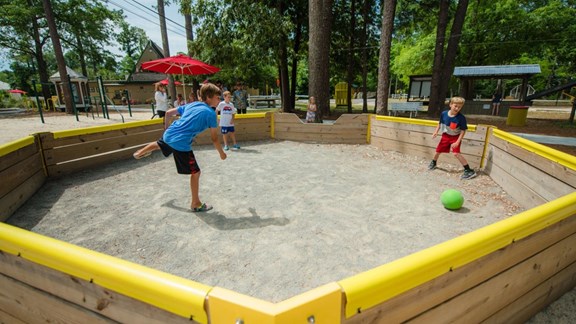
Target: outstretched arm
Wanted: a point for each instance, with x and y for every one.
(168, 116)
(436, 131)
(216, 142)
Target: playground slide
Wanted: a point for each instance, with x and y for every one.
(551, 90)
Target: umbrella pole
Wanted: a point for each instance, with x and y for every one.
(184, 89)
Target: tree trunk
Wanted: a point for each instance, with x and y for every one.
(388, 12)
(320, 21)
(41, 63)
(81, 55)
(166, 47)
(283, 74)
(296, 49)
(190, 39)
(363, 43)
(350, 69)
(436, 98)
(59, 56)
(452, 49)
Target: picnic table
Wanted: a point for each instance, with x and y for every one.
(273, 101)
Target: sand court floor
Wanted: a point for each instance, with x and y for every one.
(288, 217)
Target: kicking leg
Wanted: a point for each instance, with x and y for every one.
(146, 150)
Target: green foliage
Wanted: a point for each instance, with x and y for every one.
(243, 38)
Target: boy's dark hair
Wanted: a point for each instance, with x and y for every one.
(209, 90)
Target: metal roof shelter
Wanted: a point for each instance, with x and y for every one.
(468, 74)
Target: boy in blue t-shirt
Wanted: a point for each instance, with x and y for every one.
(178, 137)
(453, 127)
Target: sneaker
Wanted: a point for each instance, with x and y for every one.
(469, 174)
(432, 165)
(236, 147)
(226, 148)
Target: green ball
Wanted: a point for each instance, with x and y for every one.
(452, 199)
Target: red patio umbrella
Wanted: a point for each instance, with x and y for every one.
(180, 64)
(17, 91)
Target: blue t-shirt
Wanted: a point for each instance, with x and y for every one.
(452, 125)
(194, 119)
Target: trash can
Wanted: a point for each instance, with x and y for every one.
(517, 115)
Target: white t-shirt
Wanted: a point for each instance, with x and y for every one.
(227, 111)
(161, 99)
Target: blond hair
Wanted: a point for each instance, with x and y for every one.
(458, 100)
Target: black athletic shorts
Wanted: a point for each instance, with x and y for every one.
(185, 161)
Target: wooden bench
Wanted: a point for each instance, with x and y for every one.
(404, 107)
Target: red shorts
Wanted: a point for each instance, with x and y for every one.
(445, 144)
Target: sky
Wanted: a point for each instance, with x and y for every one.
(142, 14)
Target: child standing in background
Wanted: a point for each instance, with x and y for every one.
(227, 112)
(311, 111)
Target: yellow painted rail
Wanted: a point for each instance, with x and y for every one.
(377, 285)
(171, 293)
(562, 158)
(15, 145)
(105, 128)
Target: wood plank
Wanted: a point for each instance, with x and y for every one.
(17, 174)
(48, 140)
(545, 185)
(522, 309)
(469, 147)
(550, 167)
(95, 161)
(486, 299)
(83, 294)
(8, 318)
(403, 126)
(15, 157)
(72, 152)
(18, 196)
(31, 305)
(426, 296)
(480, 134)
(422, 151)
(523, 195)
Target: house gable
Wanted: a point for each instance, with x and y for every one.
(150, 52)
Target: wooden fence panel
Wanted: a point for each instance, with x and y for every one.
(534, 160)
(39, 294)
(547, 186)
(459, 281)
(96, 133)
(19, 195)
(348, 129)
(64, 153)
(246, 128)
(416, 139)
(22, 174)
(480, 302)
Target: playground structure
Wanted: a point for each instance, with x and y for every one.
(504, 272)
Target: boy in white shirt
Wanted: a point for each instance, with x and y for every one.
(227, 112)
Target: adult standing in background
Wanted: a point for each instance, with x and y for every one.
(496, 100)
(161, 99)
(240, 98)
